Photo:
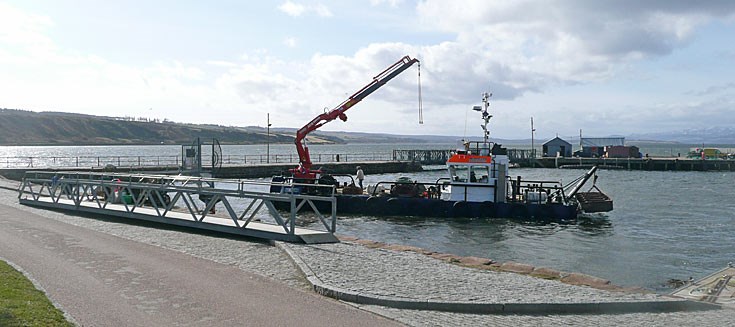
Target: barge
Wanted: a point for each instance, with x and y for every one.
(478, 184)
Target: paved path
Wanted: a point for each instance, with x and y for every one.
(105, 280)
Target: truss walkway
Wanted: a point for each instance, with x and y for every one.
(228, 206)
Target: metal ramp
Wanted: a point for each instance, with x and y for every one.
(227, 206)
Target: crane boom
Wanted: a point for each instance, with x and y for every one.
(304, 170)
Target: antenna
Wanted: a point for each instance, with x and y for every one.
(464, 136)
(485, 115)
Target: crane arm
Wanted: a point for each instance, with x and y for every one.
(339, 111)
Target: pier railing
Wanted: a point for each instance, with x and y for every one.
(427, 157)
(175, 160)
(439, 157)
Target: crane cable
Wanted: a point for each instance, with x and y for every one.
(421, 107)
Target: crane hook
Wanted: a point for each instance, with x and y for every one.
(421, 106)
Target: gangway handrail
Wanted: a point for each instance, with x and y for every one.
(164, 196)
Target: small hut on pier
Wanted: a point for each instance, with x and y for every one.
(557, 147)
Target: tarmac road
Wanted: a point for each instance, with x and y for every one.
(104, 280)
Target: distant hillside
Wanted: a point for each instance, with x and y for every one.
(358, 137)
(19, 127)
(712, 135)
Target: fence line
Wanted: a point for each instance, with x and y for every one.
(174, 160)
(435, 157)
(422, 156)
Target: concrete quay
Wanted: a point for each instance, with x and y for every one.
(404, 275)
(652, 163)
(268, 170)
(237, 171)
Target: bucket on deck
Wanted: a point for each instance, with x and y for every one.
(126, 198)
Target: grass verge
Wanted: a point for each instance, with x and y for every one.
(21, 304)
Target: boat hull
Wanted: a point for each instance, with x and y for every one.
(411, 206)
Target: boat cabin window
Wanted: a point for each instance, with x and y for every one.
(471, 174)
(479, 174)
(459, 173)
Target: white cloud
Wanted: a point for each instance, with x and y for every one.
(19, 30)
(571, 41)
(392, 3)
(292, 8)
(290, 42)
(221, 63)
(296, 9)
(322, 10)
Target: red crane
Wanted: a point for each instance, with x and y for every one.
(304, 170)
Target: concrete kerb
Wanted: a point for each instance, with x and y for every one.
(491, 308)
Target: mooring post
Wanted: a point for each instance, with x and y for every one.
(292, 220)
(334, 214)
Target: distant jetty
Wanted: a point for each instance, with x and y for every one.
(234, 171)
(651, 163)
(523, 158)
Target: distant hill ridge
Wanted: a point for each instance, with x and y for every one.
(20, 127)
(23, 127)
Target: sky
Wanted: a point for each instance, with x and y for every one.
(604, 67)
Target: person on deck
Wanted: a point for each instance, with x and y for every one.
(360, 176)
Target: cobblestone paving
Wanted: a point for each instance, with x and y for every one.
(412, 275)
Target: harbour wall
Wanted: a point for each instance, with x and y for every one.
(267, 170)
(524, 158)
(383, 167)
(238, 171)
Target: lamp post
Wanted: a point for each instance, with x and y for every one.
(268, 139)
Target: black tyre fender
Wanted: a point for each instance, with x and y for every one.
(487, 209)
(546, 212)
(374, 205)
(519, 211)
(460, 209)
(396, 206)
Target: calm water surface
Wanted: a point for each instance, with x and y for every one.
(665, 224)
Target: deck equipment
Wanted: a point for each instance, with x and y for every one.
(304, 171)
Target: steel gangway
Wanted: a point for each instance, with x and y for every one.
(230, 206)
